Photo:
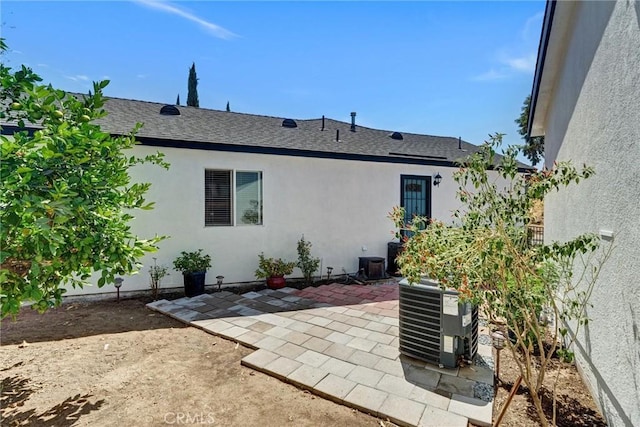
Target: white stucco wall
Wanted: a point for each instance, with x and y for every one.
(594, 119)
(339, 205)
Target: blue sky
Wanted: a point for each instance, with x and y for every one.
(438, 68)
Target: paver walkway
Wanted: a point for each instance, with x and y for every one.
(341, 342)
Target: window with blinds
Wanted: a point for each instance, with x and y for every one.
(222, 191)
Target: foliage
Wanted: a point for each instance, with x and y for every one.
(252, 214)
(273, 267)
(157, 272)
(178, 100)
(534, 145)
(306, 262)
(192, 94)
(487, 257)
(228, 107)
(66, 198)
(192, 262)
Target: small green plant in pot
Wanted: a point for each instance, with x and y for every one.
(194, 266)
(274, 270)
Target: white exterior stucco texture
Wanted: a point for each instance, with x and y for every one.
(594, 118)
(340, 206)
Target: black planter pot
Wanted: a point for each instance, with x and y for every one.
(194, 283)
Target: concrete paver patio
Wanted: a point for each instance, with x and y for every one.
(341, 342)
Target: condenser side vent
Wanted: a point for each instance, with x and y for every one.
(435, 326)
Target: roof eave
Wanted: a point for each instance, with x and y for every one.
(534, 126)
(553, 45)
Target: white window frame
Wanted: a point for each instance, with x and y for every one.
(234, 197)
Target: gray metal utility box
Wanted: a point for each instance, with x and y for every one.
(435, 326)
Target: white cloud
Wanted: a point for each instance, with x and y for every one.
(525, 63)
(78, 77)
(214, 29)
(490, 75)
(519, 57)
(531, 30)
(141, 76)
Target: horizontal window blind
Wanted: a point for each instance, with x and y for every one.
(218, 200)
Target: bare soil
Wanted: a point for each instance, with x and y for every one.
(118, 363)
(121, 364)
(575, 406)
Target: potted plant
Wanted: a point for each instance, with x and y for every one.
(193, 266)
(274, 270)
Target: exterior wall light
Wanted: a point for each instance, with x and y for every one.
(499, 341)
(219, 279)
(437, 179)
(118, 282)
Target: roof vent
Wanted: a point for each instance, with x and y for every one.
(289, 123)
(170, 110)
(397, 136)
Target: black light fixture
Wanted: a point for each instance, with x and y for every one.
(437, 179)
(499, 342)
(219, 282)
(118, 282)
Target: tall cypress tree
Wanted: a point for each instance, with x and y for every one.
(228, 108)
(192, 95)
(178, 100)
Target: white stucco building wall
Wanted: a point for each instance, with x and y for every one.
(588, 108)
(340, 206)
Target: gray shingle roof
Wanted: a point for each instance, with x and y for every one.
(221, 130)
(221, 127)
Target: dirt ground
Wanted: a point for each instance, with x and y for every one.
(575, 407)
(120, 364)
(107, 363)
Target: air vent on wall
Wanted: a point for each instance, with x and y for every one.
(289, 123)
(396, 135)
(170, 110)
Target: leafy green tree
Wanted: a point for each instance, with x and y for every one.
(533, 146)
(66, 198)
(192, 95)
(532, 292)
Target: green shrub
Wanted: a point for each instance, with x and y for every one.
(192, 262)
(306, 262)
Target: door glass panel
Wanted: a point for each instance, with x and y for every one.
(415, 196)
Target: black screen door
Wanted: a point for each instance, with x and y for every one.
(415, 196)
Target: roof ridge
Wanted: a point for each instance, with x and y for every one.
(284, 117)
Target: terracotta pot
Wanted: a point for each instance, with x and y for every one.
(276, 282)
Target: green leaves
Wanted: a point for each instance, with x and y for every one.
(307, 264)
(65, 192)
(192, 262)
(488, 258)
